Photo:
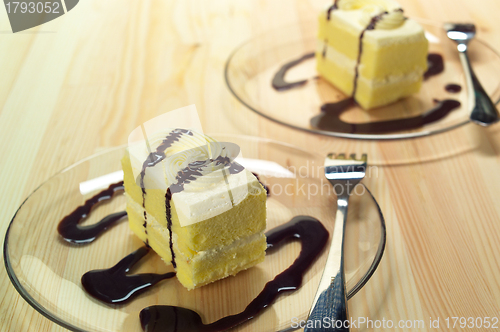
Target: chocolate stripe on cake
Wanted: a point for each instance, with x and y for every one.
(187, 175)
(153, 159)
(328, 15)
(194, 171)
(332, 7)
(370, 26)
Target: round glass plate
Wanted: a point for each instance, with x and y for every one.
(251, 67)
(47, 271)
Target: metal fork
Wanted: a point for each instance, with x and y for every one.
(483, 110)
(331, 298)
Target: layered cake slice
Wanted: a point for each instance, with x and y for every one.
(370, 51)
(192, 204)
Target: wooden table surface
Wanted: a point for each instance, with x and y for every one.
(79, 84)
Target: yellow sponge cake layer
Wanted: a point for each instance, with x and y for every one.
(180, 224)
(210, 265)
(370, 93)
(198, 268)
(370, 44)
(406, 56)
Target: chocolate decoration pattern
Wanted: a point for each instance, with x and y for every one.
(313, 237)
(329, 119)
(435, 65)
(69, 229)
(453, 88)
(279, 83)
(115, 286)
(370, 26)
(185, 176)
(153, 159)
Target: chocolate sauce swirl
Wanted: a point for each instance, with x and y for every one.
(435, 65)
(279, 83)
(69, 227)
(313, 237)
(453, 88)
(330, 119)
(114, 286)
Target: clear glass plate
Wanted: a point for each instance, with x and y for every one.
(251, 67)
(47, 271)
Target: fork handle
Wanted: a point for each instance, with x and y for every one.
(330, 303)
(483, 110)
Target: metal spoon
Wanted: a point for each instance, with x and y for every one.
(484, 111)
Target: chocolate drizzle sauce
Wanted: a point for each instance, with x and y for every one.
(313, 237)
(332, 7)
(279, 83)
(185, 176)
(329, 118)
(435, 65)
(193, 171)
(153, 159)
(268, 191)
(370, 26)
(69, 229)
(114, 286)
(453, 88)
(168, 197)
(325, 47)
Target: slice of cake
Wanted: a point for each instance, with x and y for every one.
(370, 51)
(192, 204)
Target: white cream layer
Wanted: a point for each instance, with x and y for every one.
(353, 20)
(207, 196)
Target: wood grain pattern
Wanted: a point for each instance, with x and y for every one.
(81, 83)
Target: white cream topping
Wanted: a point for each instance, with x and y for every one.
(211, 191)
(392, 19)
(193, 207)
(409, 31)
